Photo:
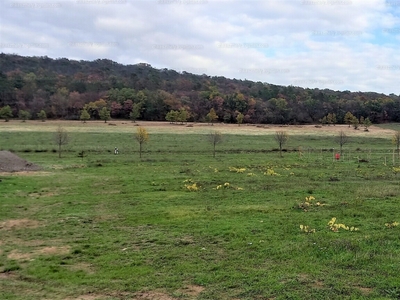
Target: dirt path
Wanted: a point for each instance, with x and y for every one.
(199, 128)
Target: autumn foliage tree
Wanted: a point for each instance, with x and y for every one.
(24, 115)
(367, 123)
(104, 114)
(172, 116)
(135, 112)
(348, 118)
(84, 116)
(42, 115)
(94, 108)
(6, 113)
(183, 115)
(331, 119)
(239, 118)
(175, 116)
(142, 137)
(355, 122)
(212, 116)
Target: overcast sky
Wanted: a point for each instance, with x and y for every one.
(337, 44)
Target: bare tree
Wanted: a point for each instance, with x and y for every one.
(342, 139)
(281, 137)
(61, 138)
(214, 138)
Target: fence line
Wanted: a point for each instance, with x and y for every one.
(384, 156)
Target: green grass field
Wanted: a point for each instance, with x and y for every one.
(180, 224)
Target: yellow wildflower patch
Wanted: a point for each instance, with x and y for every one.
(396, 170)
(336, 226)
(306, 229)
(271, 172)
(391, 225)
(237, 170)
(192, 187)
(309, 202)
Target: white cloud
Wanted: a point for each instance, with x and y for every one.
(282, 42)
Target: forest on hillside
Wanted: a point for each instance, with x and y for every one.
(33, 87)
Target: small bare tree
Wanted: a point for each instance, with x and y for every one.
(141, 136)
(281, 137)
(61, 138)
(342, 139)
(214, 138)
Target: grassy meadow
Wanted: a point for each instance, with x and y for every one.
(181, 224)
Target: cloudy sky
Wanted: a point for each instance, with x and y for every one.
(337, 44)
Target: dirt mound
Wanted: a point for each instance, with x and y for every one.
(10, 162)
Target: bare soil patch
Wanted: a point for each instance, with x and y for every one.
(43, 194)
(193, 290)
(98, 296)
(53, 250)
(87, 297)
(18, 224)
(364, 290)
(18, 255)
(26, 173)
(9, 162)
(31, 243)
(82, 266)
(152, 296)
(8, 275)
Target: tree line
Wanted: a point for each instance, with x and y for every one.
(31, 87)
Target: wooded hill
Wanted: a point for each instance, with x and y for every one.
(63, 88)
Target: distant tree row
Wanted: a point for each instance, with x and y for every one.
(6, 114)
(349, 118)
(63, 88)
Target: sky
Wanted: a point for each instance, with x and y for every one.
(336, 44)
